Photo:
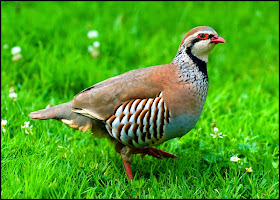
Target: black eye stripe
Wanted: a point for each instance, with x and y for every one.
(195, 41)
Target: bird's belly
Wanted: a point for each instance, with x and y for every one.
(180, 125)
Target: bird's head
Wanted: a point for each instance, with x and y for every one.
(199, 41)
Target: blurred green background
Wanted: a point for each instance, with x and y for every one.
(56, 161)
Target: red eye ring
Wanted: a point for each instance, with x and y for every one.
(203, 36)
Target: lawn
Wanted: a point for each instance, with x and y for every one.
(51, 160)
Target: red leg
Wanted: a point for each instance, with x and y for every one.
(154, 152)
(127, 169)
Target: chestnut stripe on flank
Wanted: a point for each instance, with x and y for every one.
(110, 121)
(136, 114)
(129, 104)
(137, 103)
(116, 108)
(143, 136)
(126, 127)
(142, 115)
(148, 118)
(155, 123)
(128, 116)
(144, 103)
(124, 104)
(141, 127)
(156, 102)
(166, 114)
(135, 138)
(162, 116)
(134, 130)
(151, 103)
(147, 129)
(119, 129)
(121, 116)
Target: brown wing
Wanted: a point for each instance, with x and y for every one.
(99, 100)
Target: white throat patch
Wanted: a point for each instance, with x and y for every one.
(202, 49)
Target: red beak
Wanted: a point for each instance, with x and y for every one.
(217, 39)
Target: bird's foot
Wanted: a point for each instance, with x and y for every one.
(127, 168)
(154, 152)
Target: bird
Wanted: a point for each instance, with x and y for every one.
(145, 107)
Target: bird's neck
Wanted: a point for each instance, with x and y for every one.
(193, 72)
(191, 67)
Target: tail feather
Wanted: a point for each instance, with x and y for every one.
(55, 112)
(64, 113)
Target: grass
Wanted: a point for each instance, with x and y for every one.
(56, 161)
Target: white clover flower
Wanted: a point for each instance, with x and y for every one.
(92, 34)
(234, 159)
(215, 129)
(13, 95)
(16, 50)
(96, 44)
(90, 48)
(216, 134)
(27, 127)
(93, 51)
(3, 122)
(249, 169)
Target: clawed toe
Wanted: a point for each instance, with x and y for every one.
(159, 154)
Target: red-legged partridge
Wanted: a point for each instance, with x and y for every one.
(144, 107)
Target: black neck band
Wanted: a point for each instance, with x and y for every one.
(199, 63)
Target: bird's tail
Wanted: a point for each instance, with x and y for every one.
(56, 112)
(64, 113)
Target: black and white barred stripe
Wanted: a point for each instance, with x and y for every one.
(139, 122)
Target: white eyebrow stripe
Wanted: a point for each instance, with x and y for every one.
(196, 33)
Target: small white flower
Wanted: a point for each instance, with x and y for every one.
(249, 169)
(3, 122)
(90, 48)
(13, 95)
(17, 57)
(93, 51)
(216, 129)
(213, 135)
(4, 130)
(219, 135)
(27, 127)
(16, 50)
(234, 159)
(92, 34)
(96, 44)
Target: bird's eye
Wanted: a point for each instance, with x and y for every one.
(203, 36)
